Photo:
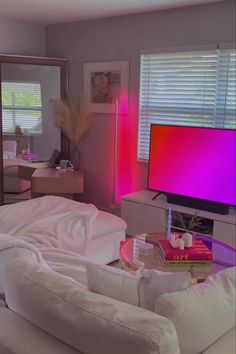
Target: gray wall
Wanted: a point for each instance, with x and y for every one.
(22, 38)
(122, 38)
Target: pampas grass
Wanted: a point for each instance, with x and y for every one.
(71, 117)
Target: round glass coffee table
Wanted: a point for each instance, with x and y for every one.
(131, 259)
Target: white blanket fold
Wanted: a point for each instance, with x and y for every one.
(50, 221)
(8, 242)
(55, 228)
(11, 249)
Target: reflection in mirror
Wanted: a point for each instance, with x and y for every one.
(29, 134)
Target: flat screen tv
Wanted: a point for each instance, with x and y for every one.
(194, 166)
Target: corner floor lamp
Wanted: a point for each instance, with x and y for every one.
(115, 150)
(114, 206)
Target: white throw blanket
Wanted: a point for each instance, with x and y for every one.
(64, 262)
(11, 243)
(12, 248)
(50, 221)
(57, 228)
(67, 263)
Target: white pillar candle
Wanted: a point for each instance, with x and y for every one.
(179, 243)
(173, 240)
(188, 239)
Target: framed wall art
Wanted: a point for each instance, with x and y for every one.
(104, 83)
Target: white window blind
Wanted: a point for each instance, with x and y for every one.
(22, 106)
(189, 88)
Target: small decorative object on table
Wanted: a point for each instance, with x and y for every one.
(141, 246)
(26, 154)
(64, 165)
(188, 239)
(145, 248)
(142, 251)
(185, 241)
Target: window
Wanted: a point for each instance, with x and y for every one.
(22, 106)
(188, 88)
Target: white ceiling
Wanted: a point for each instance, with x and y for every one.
(57, 11)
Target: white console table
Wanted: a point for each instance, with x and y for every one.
(142, 214)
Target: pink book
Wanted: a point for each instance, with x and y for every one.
(199, 251)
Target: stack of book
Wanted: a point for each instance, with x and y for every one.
(197, 255)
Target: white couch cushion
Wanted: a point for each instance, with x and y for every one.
(140, 289)
(154, 283)
(107, 223)
(105, 249)
(114, 283)
(202, 313)
(91, 323)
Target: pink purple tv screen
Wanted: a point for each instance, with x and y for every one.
(193, 162)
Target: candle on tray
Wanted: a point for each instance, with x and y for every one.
(188, 239)
(173, 240)
(180, 244)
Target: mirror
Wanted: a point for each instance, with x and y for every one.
(28, 134)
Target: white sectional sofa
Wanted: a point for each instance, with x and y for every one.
(52, 314)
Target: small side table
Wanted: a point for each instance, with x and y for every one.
(56, 182)
(27, 169)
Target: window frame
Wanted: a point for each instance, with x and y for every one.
(141, 145)
(24, 108)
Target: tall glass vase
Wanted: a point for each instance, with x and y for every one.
(75, 157)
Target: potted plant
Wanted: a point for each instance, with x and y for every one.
(73, 118)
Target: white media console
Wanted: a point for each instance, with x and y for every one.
(142, 214)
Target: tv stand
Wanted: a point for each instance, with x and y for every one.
(142, 214)
(198, 204)
(156, 195)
